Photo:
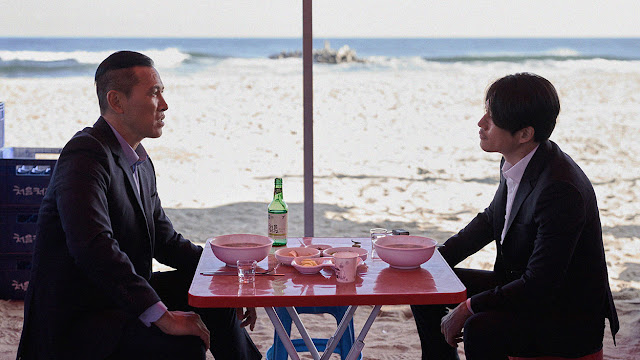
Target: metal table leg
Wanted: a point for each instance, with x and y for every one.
(357, 347)
(282, 333)
(359, 343)
(303, 332)
(335, 339)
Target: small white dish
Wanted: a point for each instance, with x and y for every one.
(287, 254)
(320, 263)
(362, 253)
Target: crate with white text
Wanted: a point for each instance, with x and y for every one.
(18, 227)
(15, 272)
(25, 174)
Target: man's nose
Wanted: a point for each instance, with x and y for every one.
(163, 104)
(483, 121)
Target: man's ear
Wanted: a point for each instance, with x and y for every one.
(526, 134)
(115, 100)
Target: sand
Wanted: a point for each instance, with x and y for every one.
(395, 149)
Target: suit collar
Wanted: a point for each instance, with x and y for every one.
(514, 172)
(529, 178)
(538, 161)
(109, 138)
(500, 205)
(111, 141)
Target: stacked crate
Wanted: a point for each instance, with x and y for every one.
(24, 178)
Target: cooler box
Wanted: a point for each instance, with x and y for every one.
(15, 271)
(25, 174)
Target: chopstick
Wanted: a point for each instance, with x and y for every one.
(211, 273)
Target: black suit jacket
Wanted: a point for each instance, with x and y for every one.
(552, 259)
(95, 243)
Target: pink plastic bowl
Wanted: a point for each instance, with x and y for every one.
(229, 249)
(405, 251)
(360, 251)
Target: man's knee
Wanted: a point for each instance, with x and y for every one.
(186, 347)
(181, 347)
(486, 336)
(432, 341)
(477, 327)
(228, 339)
(194, 349)
(140, 342)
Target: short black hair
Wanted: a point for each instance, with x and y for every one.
(116, 73)
(517, 101)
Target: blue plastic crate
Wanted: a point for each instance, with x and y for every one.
(18, 227)
(24, 181)
(15, 271)
(24, 177)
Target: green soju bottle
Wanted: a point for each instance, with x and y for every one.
(278, 216)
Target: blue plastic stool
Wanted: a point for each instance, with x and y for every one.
(278, 352)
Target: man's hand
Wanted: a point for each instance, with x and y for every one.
(248, 318)
(452, 324)
(184, 323)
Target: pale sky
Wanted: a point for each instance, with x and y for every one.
(331, 18)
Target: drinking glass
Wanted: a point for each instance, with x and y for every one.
(246, 289)
(246, 271)
(375, 234)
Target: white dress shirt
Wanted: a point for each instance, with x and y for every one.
(513, 174)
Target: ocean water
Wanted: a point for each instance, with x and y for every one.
(402, 125)
(64, 57)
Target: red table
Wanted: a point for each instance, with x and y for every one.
(377, 284)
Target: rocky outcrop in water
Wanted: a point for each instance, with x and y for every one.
(326, 55)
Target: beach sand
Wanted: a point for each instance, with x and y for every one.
(396, 149)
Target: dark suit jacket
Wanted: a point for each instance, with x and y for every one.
(552, 260)
(95, 243)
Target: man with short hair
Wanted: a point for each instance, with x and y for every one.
(92, 293)
(548, 293)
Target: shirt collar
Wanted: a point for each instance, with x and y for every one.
(133, 157)
(515, 172)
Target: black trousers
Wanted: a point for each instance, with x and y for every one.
(493, 335)
(228, 339)
(428, 317)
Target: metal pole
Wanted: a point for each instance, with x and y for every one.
(293, 314)
(282, 333)
(358, 345)
(307, 72)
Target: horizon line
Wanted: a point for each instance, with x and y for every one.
(314, 37)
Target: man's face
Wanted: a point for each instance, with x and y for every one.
(144, 108)
(496, 139)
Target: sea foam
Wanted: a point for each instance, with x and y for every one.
(164, 58)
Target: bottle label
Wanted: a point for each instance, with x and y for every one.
(278, 226)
